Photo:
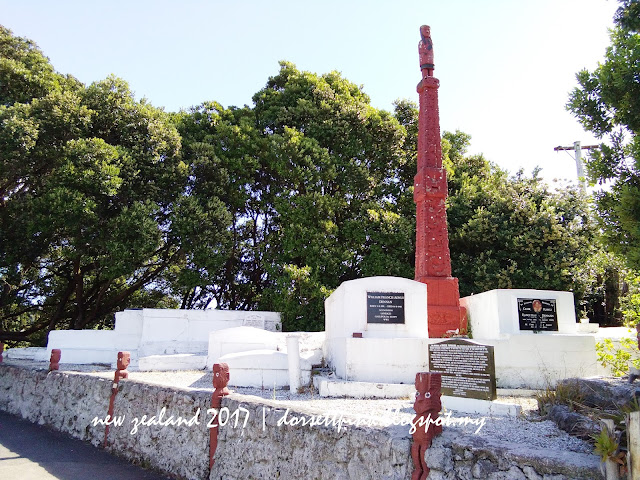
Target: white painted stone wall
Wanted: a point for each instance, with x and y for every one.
(262, 448)
(69, 401)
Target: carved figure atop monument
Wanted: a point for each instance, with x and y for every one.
(425, 48)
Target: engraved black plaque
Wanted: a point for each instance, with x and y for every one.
(537, 314)
(468, 368)
(385, 307)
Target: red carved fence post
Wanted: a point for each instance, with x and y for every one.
(433, 262)
(1, 350)
(220, 381)
(427, 406)
(124, 358)
(54, 360)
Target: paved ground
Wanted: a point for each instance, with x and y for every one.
(33, 452)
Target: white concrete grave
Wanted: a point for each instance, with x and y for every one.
(494, 314)
(240, 340)
(246, 339)
(527, 358)
(390, 316)
(158, 339)
(258, 358)
(263, 369)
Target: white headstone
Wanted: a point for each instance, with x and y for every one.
(376, 329)
(253, 320)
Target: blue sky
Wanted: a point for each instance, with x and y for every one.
(505, 66)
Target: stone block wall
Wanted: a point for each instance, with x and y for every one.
(453, 457)
(275, 445)
(64, 401)
(69, 401)
(268, 440)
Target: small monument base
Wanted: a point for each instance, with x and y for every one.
(445, 312)
(389, 360)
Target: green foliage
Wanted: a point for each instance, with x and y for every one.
(607, 103)
(602, 280)
(512, 232)
(299, 296)
(568, 394)
(93, 205)
(605, 445)
(109, 203)
(311, 178)
(25, 73)
(618, 358)
(631, 303)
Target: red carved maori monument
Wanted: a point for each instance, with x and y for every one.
(124, 358)
(427, 406)
(433, 262)
(220, 381)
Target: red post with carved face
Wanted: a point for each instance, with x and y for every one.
(122, 362)
(433, 262)
(54, 360)
(124, 359)
(427, 406)
(220, 381)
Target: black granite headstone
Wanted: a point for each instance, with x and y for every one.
(385, 307)
(468, 368)
(537, 314)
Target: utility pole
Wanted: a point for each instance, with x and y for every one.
(578, 158)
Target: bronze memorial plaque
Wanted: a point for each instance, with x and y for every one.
(385, 307)
(468, 368)
(537, 314)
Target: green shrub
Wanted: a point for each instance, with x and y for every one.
(618, 359)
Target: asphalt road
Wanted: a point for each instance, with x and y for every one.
(34, 452)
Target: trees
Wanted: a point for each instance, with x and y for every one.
(311, 183)
(25, 73)
(108, 203)
(512, 232)
(515, 232)
(506, 232)
(607, 103)
(93, 199)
